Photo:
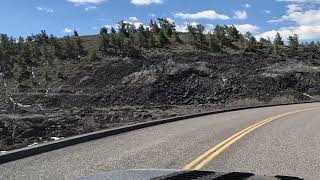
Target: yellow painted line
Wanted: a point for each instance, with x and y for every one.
(209, 155)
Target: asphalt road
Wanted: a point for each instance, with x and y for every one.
(288, 145)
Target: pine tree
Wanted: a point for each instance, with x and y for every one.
(154, 27)
(213, 43)
(166, 26)
(176, 37)
(70, 48)
(151, 41)
(202, 41)
(103, 30)
(278, 40)
(79, 47)
(129, 49)
(163, 40)
(221, 36)
(113, 30)
(75, 33)
(293, 41)
(232, 33)
(192, 33)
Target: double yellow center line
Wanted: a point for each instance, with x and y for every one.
(209, 155)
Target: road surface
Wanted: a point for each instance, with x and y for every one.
(286, 142)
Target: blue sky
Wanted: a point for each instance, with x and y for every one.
(60, 17)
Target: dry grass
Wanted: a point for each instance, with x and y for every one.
(245, 102)
(255, 102)
(283, 99)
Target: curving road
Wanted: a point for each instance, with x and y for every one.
(287, 142)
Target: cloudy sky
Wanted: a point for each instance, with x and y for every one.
(262, 17)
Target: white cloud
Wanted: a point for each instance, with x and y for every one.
(243, 28)
(86, 2)
(240, 14)
(301, 1)
(300, 17)
(307, 23)
(44, 9)
(247, 5)
(170, 20)
(183, 27)
(68, 30)
(145, 2)
(210, 14)
(304, 32)
(133, 19)
(267, 11)
(90, 8)
(136, 24)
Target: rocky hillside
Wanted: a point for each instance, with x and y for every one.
(63, 95)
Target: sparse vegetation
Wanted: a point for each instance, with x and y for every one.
(51, 80)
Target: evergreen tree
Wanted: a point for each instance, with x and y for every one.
(266, 41)
(104, 42)
(176, 37)
(113, 30)
(232, 33)
(312, 43)
(103, 30)
(130, 50)
(221, 36)
(278, 40)
(193, 34)
(166, 26)
(75, 33)
(163, 40)
(69, 48)
(123, 28)
(213, 43)
(201, 38)
(293, 41)
(151, 41)
(79, 47)
(142, 37)
(154, 27)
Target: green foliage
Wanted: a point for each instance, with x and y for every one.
(293, 41)
(151, 41)
(129, 49)
(163, 40)
(176, 37)
(266, 41)
(221, 36)
(104, 42)
(70, 49)
(103, 31)
(41, 38)
(251, 42)
(232, 33)
(154, 27)
(278, 40)
(214, 43)
(75, 33)
(166, 26)
(143, 35)
(197, 36)
(79, 47)
(123, 28)
(113, 30)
